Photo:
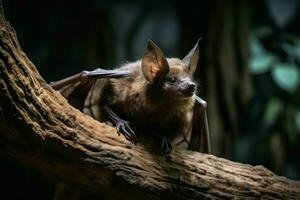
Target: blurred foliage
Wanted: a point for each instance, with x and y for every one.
(274, 64)
(285, 71)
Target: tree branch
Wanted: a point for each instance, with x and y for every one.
(39, 128)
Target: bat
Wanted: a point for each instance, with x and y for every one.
(154, 96)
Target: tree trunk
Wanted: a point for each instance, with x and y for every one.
(228, 80)
(40, 129)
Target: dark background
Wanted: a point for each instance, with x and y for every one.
(248, 70)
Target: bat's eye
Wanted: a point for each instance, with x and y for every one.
(172, 79)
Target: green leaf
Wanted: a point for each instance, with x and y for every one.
(261, 60)
(272, 111)
(296, 51)
(282, 12)
(261, 63)
(286, 76)
(291, 50)
(255, 46)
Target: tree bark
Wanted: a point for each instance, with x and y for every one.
(40, 129)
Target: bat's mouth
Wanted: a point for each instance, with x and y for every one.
(188, 92)
(188, 89)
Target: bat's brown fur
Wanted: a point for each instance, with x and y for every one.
(156, 94)
(134, 99)
(131, 94)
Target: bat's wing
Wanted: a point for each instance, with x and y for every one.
(86, 76)
(84, 90)
(200, 139)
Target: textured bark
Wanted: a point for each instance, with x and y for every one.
(40, 129)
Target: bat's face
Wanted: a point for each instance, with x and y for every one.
(172, 76)
(178, 83)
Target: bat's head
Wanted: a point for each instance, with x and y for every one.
(170, 77)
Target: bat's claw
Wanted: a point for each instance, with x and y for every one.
(165, 147)
(127, 129)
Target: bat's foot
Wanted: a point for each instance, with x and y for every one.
(165, 147)
(123, 127)
(127, 129)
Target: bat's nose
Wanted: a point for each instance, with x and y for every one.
(191, 86)
(190, 89)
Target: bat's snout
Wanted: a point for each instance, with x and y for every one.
(189, 89)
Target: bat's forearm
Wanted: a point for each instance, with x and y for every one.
(202, 103)
(97, 73)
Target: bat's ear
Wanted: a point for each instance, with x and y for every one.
(191, 59)
(154, 64)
